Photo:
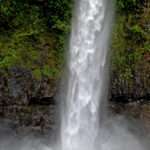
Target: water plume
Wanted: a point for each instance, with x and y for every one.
(83, 116)
(88, 71)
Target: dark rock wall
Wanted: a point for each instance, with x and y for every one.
(30, 104)
(27, 103)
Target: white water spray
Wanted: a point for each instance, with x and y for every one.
(87, 74)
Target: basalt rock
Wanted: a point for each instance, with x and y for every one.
(26, 102)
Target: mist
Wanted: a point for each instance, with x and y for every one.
(116, 133)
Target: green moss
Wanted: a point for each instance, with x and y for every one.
(130, 46)
(37, 74)
(32, 35)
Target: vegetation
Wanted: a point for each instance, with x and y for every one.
(33, 35)
(131, 47)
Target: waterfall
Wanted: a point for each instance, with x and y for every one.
(87, 81)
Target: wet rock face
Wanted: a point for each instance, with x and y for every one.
(27, 103)
(20, 86)
(136, 110)
(135, 87)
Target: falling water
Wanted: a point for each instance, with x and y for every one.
(86, 90)
(87, 74)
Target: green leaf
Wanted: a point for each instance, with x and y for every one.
(136, 29)
(37, 74)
